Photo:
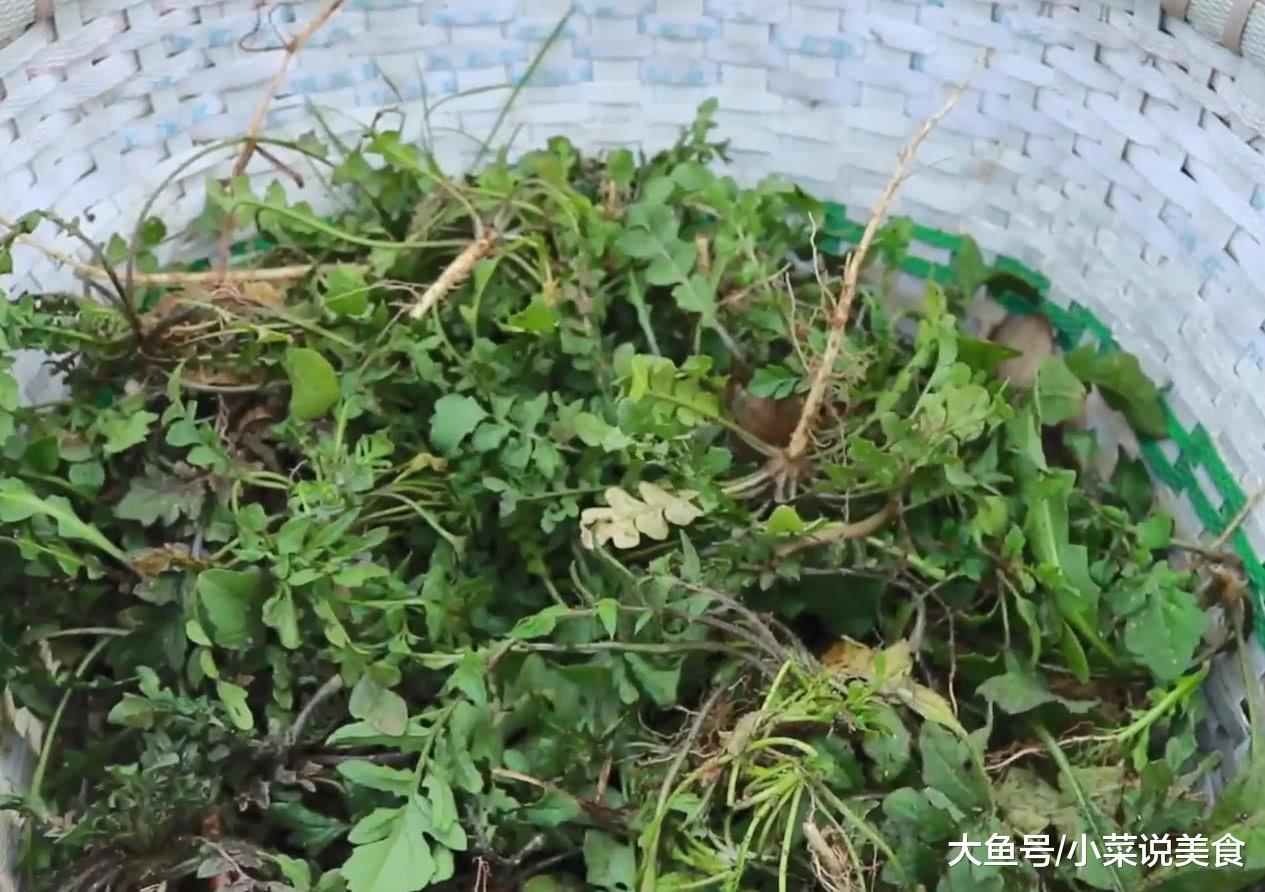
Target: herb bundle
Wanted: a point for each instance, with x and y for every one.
(582, 523)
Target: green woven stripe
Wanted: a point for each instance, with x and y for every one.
(1195, 448)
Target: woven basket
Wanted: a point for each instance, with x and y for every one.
(1115, 147)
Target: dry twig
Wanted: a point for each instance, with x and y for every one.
(851, 278)
(261, 112)
(456, 272)
(841, 532)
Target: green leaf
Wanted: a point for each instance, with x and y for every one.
(133, 712)
(968, 268)
(545, 883)
(153, 231)
(1018, 690)
(314, 387)
(402, 862)
(638, 244)
(1059, 394)
(346, 291)
(773, 382)
(784, 520)
(540, 624)
(1156, 532)
(232, 601)
(1125, 387)
(620, 167)
(1029, 803)
(234, 699)
(124, 432)
(697, 295)
(380, 707)
(453, 419)
(194, 632)
(593, 431)
(913, 810)
(1165, 633)
(985, 356)
(659, 682)
(946, 766)
(279, 614)
(18, 502)
(309, 830)
(609, 864)
(297, 873)
(165, 499)
(538, 316)
(608, 614)
(378, 777)
(9, 397)
(887, 743)
(1074, 653)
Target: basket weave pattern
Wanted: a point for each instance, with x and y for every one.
(1118, 152)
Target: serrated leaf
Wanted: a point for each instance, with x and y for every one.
(124, 432)
(1165, 633)
(164, 499)
(346, 291)
(609, 864)
(402, 862)
(232, 601)
(627, 518)
(696, 295)
(537, 317)
(638, 244)
(1029, 803)
(946, 766)
(380, 707)
(453, 419)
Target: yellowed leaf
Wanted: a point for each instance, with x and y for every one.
(853, 659)
(930, 705)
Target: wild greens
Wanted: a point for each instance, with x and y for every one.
(423, 551)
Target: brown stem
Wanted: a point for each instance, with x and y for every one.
(455, 273)
(851, 278)
(842, 533)
(261, 112)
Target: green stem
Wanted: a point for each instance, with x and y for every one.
(351, 238)
(1184, 687)
(33, 799)
(1087, 808)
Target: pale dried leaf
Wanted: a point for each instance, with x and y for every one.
(676, 507)
(627, 518)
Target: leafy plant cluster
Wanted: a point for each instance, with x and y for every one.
(313, 595)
